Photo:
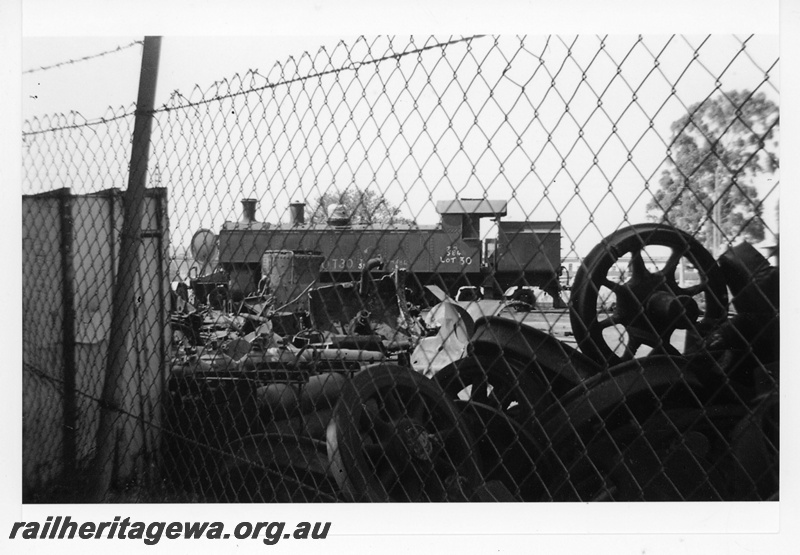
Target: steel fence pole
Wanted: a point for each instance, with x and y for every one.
(68, 332)
(124, 293)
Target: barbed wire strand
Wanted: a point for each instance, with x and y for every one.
(84, 59)
(352, 66)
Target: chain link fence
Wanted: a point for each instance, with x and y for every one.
(418, 269)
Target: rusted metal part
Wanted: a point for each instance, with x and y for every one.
(554, 365)
(638, 385)
(491, 381)
(345, 327)
(210, 413)
(754, 331)
(395, 437)
(647, 429)
(650, 305)
(513, 414)
(335, 308)
(449, 328)
(679, 454)
(508, 453)
(754, 472)
(753, 282)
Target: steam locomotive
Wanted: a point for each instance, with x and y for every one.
(448, 255)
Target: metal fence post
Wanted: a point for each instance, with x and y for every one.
(68, 334)
(125, 286)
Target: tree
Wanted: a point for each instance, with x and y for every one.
(717, 150)
(363, 206)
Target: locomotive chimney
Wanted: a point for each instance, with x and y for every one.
(297, 213)
(249, 210)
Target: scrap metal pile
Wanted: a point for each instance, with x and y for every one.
(363, 396)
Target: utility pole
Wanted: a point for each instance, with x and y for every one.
(125, 287)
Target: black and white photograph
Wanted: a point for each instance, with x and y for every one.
(475, 285)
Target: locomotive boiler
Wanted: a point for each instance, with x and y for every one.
(449, 255)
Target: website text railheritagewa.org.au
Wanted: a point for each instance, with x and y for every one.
(64, 528)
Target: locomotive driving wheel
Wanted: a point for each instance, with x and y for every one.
(614, 309)
(394, 436)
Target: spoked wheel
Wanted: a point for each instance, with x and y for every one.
(395, 436)
(645, 304)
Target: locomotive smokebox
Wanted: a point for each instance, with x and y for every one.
(297, 213)
(249, 210)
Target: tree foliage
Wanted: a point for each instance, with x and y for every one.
(363, 206)
(717, 150)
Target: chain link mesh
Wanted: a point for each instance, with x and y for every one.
(406, 269)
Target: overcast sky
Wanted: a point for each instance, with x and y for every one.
(57, 79)
(203, 46)
(89, 87)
